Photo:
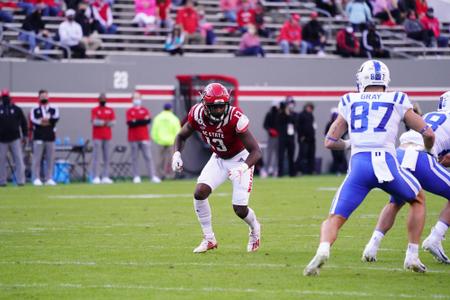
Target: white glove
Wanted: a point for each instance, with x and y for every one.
(177, 162)
(236, 173)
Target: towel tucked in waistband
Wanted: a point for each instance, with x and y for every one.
(380, 167)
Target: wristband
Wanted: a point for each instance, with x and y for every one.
(422, 131)
(332, 139)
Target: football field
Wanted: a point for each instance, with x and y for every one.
(128, 241)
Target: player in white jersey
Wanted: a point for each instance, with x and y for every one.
(372, 117)
(432, 176)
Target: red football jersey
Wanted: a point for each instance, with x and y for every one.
(222, 137)
(103, 113)
(138, 133)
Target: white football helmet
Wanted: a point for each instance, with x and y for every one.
(372, 72)
(444, 102)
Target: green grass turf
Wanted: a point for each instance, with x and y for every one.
(136, 248)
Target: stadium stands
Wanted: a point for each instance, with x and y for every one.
(131, 40)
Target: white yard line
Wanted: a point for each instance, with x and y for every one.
(196, 264)
(127, 196)
(210, 289)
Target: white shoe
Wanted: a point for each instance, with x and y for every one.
(107, 180)
(369, 253)
(156, 179)
(206, 245)
(50, 182)
(136, 179)
(254, 240)
(96, 180)
(37, 182)
(414, 264)
(434, 246)
(313, 268)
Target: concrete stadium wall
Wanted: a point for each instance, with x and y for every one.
(122, 74)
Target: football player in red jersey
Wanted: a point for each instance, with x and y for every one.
(225, 129)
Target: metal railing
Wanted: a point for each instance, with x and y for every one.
(4, 43)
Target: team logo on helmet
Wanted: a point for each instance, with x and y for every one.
(215, 98)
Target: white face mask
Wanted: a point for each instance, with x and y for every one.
(137, 102)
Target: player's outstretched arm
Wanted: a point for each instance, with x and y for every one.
(185, 132)
(333, 139)
(415, 122)
(252, 147)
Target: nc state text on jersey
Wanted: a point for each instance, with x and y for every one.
(213, 134)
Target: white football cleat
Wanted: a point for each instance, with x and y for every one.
(96, 180)
(369, 253)
(435, 248)
(313, 268)
(414, 264)
(156, 179)
(136, 179)
(254, 240)
(206, 245)
(37, 182)
(50, 182)
(107, 180)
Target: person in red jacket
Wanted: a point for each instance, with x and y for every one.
(246, 15)
(430, 22)
(103, 119)
(163, 7)
(290, 37)
(138, 119)
(188, 19)
(347, 44)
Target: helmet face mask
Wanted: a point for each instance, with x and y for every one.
(215, 99)
(444, 102)
(372, 73)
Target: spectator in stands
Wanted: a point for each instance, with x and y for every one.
(430, 22)
(415, 30)
(421, 8)
(358, 14)
(166, 126)
(73, 4)
(35, 33)
(245, 16)
(387, 11)
(339, 165)
(229, 9)
(188, 19)
(71, 35)
(52, 8)
(175, 41)
(347, 44)
(145, 11)
(327, 5)
(290, 37)
(103, 119)
(206, 29)
(103, 17)
(314, 35)
(138, 119)
(13, 128)
(27, 6)
(270, 125)
(306, 135)
(261, 28)
(90, 40)
(250, 44)
(163, 7)
(406, 5)
(285, 126)
(43, 119)
(372, 44)
(6, 9)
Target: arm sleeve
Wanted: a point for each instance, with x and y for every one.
(33, 119)
(242, 124)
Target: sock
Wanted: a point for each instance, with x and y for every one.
(439, 230)
(203, 211)
(250, 219)
(413, 249)
(324, 247)
(376, 238)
